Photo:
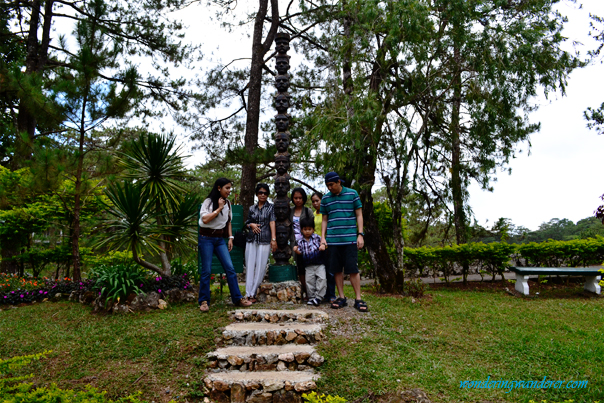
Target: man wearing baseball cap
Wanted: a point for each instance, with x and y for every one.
(342, 234)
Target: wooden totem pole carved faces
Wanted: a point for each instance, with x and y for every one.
(282, 163)
(282, 122)
(282, 143)
(282, 65)
(282, 186)
(282, 103)
(282, 83)
(282, 159)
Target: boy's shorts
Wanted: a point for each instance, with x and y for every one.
(343, 257)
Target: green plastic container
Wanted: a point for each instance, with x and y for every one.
(237, 254)
(279, 274)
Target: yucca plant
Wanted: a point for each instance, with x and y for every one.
(118, 281)
(151, 211)
(129, 225)
(156, 163)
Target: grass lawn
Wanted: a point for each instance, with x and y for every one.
(431, 344)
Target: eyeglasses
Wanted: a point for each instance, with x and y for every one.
(262, 193)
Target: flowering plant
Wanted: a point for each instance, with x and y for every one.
(16, 290)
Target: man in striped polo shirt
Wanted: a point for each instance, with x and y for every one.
(342, 235)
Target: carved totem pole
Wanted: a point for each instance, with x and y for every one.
(282, 158)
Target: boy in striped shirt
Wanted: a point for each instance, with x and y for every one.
(342, 235)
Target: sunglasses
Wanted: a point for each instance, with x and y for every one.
(262, 193)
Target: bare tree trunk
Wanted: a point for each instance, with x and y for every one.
(259, 49)
(163, 255)
(391, 279)
(77, 206)
(459, 218)
(10, 249)
(146, 264)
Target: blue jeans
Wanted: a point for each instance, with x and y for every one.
(208, 245)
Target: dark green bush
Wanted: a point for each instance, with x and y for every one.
(415, 288)
(117, 281)
(494, 258)
(575, 253)
(160, 284)
(190, 269)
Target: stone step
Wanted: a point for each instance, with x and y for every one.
(279, 315)
(260, 333)
(259, 387)
(288, 357)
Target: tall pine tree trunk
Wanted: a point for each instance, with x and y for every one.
(459, 218)
(77, 206)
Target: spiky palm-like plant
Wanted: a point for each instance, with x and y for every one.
(152, 211)
(129, 225)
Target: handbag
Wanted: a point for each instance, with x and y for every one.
(240, 237)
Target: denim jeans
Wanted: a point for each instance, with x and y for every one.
(209, 245)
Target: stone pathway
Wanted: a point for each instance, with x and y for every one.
(270, 356)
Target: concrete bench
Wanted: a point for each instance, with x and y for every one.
(592, 276)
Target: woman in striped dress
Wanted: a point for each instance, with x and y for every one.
(261, 241)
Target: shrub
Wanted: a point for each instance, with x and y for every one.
(190, 269)
(119, 280)
(16, 290)
(14, 390)
(415, 288)
(490, 258)
(161, 284)
(313, 397)
(495, 257)
(11, 364)
(109, 258)
(27, 393)
(578, 252)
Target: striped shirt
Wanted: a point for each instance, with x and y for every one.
(341, 216)
(263, 217)
(311, 255)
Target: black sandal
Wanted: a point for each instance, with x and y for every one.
(360, 305)
(339, 303)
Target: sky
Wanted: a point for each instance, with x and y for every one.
(559, 178)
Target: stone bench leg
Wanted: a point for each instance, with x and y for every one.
(591, 284)
(522, 284)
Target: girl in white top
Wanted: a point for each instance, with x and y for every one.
(215, 225)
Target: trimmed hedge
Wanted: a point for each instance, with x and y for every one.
(494, 258)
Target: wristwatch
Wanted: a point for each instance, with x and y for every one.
(231, 237)
(361, 234)
(274, 239)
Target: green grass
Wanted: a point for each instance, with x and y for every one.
(431, 345)
(149, 352)
(461, 335)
